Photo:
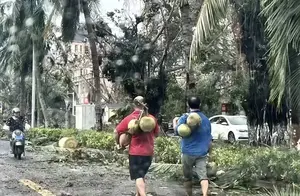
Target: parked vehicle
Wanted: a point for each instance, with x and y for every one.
(229, 128)
(18, 143)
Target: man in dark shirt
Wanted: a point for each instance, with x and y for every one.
(15, 122)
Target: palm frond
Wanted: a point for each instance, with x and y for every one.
(288, 191)
(57, 4)
(16, 9)
(181, 3)
(211, 14)
(283, 31)
(295, 83)
(166, 170)
(48, 23)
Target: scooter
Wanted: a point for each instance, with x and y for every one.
(18, 143)
(17, 140)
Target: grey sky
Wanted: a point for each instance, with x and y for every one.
(132, 7)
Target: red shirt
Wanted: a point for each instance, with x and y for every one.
(141, 144)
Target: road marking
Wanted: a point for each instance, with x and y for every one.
(37, 188)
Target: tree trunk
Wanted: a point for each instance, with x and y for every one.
(41, 97)
(189, 16)
(96, 64)
(38, 113)
(67, 118)
(23, 95)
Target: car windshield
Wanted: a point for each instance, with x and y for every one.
(237, 120)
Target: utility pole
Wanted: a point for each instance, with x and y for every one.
(33, 92)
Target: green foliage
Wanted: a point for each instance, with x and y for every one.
(167, 150)
(244, 164)
(174, 103)
(121, 113)
(52, 134)
(262, 163)
(288, 191)
(130, 63)
(97, 140)
(91, 139)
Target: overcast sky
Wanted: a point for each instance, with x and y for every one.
(132, 7)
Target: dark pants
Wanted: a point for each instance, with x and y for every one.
(138, 166)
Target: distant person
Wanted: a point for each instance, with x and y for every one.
(195, 148)
(141, 147)
(15, 122)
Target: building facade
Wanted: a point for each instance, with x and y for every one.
(83, 70)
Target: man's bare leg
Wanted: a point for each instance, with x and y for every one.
(141, 187)
(204, 186)
(189, 188)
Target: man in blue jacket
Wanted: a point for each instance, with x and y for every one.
(195, 148)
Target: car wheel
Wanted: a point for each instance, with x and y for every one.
(231, 137)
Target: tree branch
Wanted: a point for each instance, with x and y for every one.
(163, 27)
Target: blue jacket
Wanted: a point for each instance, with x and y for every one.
(197, 144)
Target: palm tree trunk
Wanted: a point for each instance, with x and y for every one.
(41, 97)
(23, 95)
(38, 113)
(96, 64)
(189, 14)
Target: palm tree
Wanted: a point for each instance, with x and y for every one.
(27, 24)
(283, 30)
(70, 21)
(189, 11)
(255, 47)
(277, 24)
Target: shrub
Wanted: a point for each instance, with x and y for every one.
(90, 139)
(52, 135)
(244, 164)
(167, 150)
(251, 164)
(98, 140)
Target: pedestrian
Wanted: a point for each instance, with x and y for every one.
(141, 147)
(195, 148)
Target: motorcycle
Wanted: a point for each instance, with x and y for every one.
(17, 140)
(18, 144)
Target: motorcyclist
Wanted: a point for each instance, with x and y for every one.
(15, 122)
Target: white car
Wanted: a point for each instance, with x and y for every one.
(229, 128)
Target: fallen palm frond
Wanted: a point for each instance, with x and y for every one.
(292, 190)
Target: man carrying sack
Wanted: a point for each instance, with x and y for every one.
(141, 143)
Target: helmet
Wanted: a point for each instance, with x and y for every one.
(194, 102)
(138, 101)
(16, 110)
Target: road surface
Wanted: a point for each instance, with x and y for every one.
(36, 175)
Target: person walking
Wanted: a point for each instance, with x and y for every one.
(195, 148)
(141, 147)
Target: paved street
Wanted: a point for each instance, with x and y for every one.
(36, 175)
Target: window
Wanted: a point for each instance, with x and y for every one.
(76, 48)
(237, 120)
(86, 49)
(214, 120)
(222, 120)
(80, 49)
